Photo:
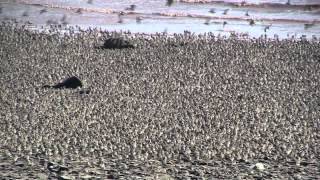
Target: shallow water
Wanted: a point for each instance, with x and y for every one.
(298, 18)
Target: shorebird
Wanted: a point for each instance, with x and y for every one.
(251, 22)
(79, 11)
(247, 13)
(90, 1)
(25, 14)
(43, 11)
(309, 25)
(212, 10)
(165, 31)
(64, 23)
(120, 21)
(207, 22)
(225, 12)
(120, 14)
(64, 17)
(267, 28)
(169, 2)
(288, 3)
(224, 23)
(48, 22)
(131, 8)
(138, 19)
(85, 91)
(56, 168)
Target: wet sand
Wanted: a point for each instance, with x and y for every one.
(173, 107)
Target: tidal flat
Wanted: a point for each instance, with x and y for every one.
(172, 107)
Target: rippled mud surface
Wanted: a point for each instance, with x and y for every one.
(172, 107)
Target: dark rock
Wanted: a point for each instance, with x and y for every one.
(116, 43)
(72, 82)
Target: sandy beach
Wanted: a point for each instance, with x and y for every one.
(172, 107)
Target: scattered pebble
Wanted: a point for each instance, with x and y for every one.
(117, 43)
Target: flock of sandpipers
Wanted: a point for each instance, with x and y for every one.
(200, 102)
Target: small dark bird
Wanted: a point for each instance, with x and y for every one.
(267, 28)
(138, 19)
(251, 22)
(212, 10)
(165, 31)
(79, 11)
(131, 8)
(120, 17)
(25, 14)
(121, 13)
(49, 22)
(56, 168)
(85, 91)
(288, 3)
(169, 3)
(71, 83)
(116, 43)
(308, 8)
(64, 18)
(309, 25)
(224, 23)
(247, 13)
(225, 12)
(64, 23)
(90, 1)
(120, 21)
(207, 22)
(43, 11)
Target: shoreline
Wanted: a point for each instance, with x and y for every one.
(196, 20)
(64, 29)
